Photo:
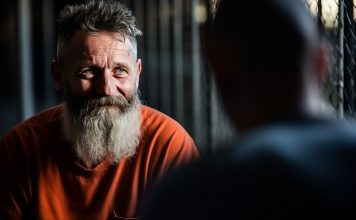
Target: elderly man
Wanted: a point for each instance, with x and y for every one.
(290, 161)
(95, 156)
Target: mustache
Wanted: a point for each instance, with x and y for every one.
(79, 107)
(119, 101)
(94, 104)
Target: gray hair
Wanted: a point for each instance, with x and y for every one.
(95, 16)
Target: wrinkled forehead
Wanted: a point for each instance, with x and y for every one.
(108, 50)
(109, 43)
(100, 42)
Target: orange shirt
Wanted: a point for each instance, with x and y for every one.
(39, 179)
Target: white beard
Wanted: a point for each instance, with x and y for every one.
(104, 128)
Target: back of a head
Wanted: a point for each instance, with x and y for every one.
(266, 36)
(261, 53)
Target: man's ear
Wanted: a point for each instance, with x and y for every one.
(210, 53)
(321, 63)
(139, 69)
(216, 55)
(56, 76)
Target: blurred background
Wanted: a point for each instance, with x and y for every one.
(175, 77)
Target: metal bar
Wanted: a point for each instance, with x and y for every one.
(152, 63)
(340, 110)
(349, 56)
(49, 50)
(165, 62)
(198, 127)
(26, 75)
(210, 89)
(320, 16)
(178, 61)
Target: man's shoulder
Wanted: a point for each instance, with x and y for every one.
(154, 119)
(322, 152)
(298, 138)
(49, 114)
(40, 122)
(149, 112)
(304, 166)
(31, 136)
(310, 149)
(166, 136)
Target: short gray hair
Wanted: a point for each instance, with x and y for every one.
(95, 16)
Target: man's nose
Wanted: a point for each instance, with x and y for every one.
(106, 84)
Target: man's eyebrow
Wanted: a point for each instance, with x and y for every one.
(121, 64)
(81, 66)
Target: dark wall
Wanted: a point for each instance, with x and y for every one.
(9, 92)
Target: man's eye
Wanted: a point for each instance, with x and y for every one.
(119, 71)
(86, 74)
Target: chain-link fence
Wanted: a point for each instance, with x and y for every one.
(336, 19)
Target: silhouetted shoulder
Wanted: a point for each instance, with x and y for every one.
(286, 171)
